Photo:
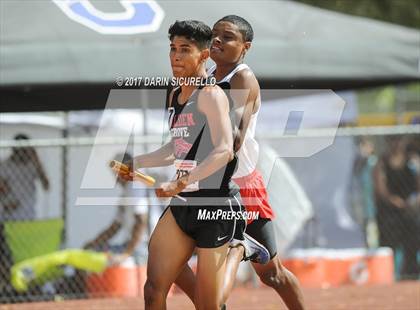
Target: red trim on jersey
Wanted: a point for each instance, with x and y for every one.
(254, 194)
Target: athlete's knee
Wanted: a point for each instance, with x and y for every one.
(275, 277)
(272, 279)
(152, 292)
(207, 304)
(149, 293)
(203, 301)
(237, 250)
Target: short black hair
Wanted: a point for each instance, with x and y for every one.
(193, 30)
(244, 26)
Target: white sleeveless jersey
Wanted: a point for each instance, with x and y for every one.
(249, 151)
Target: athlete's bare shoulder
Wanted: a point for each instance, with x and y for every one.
(210, 96)
(211, 88)
(211, 91)
(244, 79)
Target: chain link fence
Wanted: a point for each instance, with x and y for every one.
(52, 248)
(385, 192)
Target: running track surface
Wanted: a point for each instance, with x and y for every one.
(400, 296)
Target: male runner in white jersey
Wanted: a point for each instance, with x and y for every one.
(232, 37)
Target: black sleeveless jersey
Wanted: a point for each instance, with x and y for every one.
(192, 143)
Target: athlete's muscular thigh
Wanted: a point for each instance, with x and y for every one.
(169, 249)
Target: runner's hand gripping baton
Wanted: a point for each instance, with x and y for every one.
(138, 176)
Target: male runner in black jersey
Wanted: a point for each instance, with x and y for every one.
(202, 150)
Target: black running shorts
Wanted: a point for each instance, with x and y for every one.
(210, 226)
(262, 230)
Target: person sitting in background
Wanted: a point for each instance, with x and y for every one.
(395, 186)
(130, 218)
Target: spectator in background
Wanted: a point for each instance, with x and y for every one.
(130, 218)
(7, 202)
(363, 191)
(413, 153)
(18, 176)
(395, 186)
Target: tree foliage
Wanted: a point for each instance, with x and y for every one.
(402, 12)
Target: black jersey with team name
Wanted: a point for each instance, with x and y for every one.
(192, 143)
